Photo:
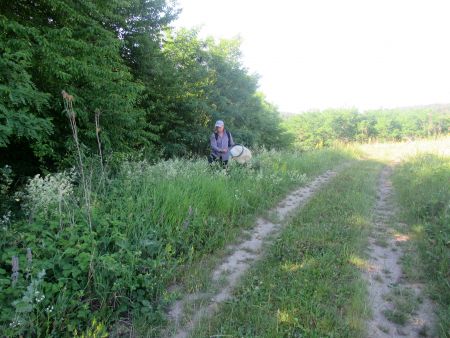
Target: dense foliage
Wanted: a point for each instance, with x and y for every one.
(154, 90)
(56, 274)
(323, 128)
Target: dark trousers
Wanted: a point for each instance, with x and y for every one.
(212, 159)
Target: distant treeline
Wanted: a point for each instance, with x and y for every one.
(323, 128)
(154, 90)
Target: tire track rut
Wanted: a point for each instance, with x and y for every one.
(399, 308)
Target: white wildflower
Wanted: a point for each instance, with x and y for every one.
(5, 220)
(49, 193)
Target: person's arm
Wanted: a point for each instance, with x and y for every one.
(213, 142)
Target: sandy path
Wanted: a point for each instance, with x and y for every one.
(387, 285)
(228, 272)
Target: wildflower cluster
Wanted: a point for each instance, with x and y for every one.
(48, 195)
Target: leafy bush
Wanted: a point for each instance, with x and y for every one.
(6, 179)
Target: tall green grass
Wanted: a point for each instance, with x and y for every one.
(309, 285)
(147, 222)
(423, 190)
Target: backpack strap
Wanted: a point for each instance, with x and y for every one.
(228, 135)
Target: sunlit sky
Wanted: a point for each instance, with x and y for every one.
(318, 54)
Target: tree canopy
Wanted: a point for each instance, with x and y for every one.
(318, 129)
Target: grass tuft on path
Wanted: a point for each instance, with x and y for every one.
(309, 284)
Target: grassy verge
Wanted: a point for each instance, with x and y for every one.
(309, 284)
(148, 221)
(423, 190)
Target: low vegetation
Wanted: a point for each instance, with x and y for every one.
(63, 265)
(423, 191)
(404, 302)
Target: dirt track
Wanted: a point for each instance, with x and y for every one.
(383, 270)
(228, 272)
(387, 285)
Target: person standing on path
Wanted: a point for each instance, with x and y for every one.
(221, 141)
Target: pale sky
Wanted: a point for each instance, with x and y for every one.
(318, 54)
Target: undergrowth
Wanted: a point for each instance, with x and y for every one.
(59, 277)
